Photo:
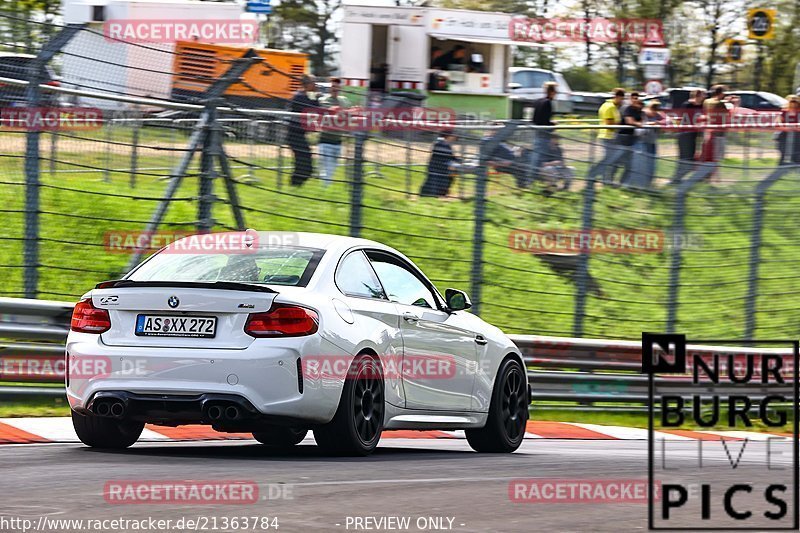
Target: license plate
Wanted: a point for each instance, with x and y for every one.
(176, 326)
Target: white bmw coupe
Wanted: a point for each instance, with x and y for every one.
(291, 332)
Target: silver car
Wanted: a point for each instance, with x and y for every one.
(277, 334)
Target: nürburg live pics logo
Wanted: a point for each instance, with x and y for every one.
(723, 434)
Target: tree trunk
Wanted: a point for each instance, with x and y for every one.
(712, 54)
(587, 14)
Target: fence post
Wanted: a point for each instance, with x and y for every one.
(755, 248)
(357, 188)
(208, 173)
(481, 175)
(135, 149)
(702, 173)
(409, 162)
(202, 138)
(53, 151)
(107, 125)
(582, 270)
(746, 154)
(33, 98)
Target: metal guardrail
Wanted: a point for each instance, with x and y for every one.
(571, 373)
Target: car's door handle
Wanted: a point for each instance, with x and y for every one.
(411, 318)
(480, 339)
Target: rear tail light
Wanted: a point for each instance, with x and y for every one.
(282, 321)
(54, 83)
(86, 318)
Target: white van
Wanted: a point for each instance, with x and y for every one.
(527, 83)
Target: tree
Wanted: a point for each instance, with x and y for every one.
(722, 20)
(781, 53)
(19, 30)
(307, 26)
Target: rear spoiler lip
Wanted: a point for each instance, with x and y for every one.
(221, 285)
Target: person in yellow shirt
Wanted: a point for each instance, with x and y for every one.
(609, 113)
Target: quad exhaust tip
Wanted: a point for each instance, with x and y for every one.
(232, 413)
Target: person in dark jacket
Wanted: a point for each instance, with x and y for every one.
(687, 138)
(440, 167)
(301, 102)
(542, 116)
(456, 56)
(504, 158)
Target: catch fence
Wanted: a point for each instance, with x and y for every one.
(709, 257)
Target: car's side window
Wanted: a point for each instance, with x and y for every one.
(355, 277)
(402, 285)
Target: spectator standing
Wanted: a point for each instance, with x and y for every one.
(687, 140)
(788, 140)
(643, 163)
(717, 114)
(609, 114)
(301, 102)
(626, 137)
(330, 142)
(440, 167)
(542, 117)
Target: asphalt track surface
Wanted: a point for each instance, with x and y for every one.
(415, 478)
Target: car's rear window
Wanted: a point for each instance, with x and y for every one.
(291, 266)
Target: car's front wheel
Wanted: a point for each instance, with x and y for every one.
(99, 432)
(358, 423)
(280, 437)
(508, 412)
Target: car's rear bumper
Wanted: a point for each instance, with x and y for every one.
(267, 375)
(225, 412)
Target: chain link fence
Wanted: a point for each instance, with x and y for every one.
(710, 256)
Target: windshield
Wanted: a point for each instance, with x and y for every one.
(532, 78)
(774, 99)
(291, 266)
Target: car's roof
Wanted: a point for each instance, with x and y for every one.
(324, 241)
(520, 69)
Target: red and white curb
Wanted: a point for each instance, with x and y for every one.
(59, 429)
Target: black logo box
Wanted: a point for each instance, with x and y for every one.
(676, 345)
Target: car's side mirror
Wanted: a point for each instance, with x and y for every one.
(456, 300)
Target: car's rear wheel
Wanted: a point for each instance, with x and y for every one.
(358, 423)
(99, 432)
(280, 436)
(508, 412)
